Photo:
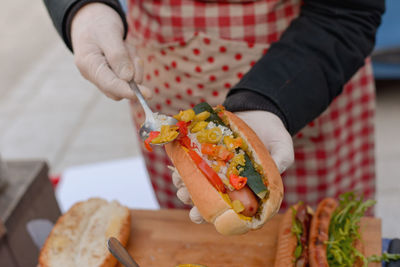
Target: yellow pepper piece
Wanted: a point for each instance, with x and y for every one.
(202, 136)
(186, 115)
(228, 200)
(237, 206)
(232, 143)
(214, 135)
(167, 133)
(244, 145)
(232, 170)
(199, 126)
(202, 116)
(237, 160)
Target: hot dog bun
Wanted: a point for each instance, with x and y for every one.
(209, 201)
(287, 241)
(79, 238)
(297, 219)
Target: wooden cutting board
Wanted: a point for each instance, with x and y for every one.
(168, 237)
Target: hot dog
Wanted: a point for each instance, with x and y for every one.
(335, 238)
(247, 198)
(229, 173)
(292, 250)
(319, 232)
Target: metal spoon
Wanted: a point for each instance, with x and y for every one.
(120, 253)
(153, 120)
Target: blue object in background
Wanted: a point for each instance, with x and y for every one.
(124, 5)
(385, 247)
(388, 44)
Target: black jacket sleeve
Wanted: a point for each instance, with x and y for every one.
(62, 12)
(306, 69)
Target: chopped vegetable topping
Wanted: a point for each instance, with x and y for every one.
(237, 206)
(238, 182)
(201, 125)
(202, 116)
(218, 152)
(199, 108)
(186, 115)
(183, 127)
(152, 135)
(253, 178)
(213, 135)
(211, 175)
(232, 143)
(235, 162)
(167, 133)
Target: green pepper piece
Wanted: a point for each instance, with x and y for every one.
(199, 108)
(254, 179)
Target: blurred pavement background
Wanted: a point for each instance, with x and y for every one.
(47, 110)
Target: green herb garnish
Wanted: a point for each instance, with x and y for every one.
(386, 257)
(297, 230)
(344, 230)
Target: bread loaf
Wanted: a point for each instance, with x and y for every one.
(79, 238)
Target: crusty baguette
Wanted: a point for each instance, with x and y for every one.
(319, 232)
(79, 238)
(208, 200)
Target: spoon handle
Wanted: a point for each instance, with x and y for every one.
(119, 252)
(146, 108)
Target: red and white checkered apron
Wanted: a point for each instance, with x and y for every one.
(195, 51)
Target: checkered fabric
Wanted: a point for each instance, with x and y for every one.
(195, 51)
(169, 21)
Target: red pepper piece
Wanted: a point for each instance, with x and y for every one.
(152, 135)
(211, 175)
(185, 142)
(238, 182)
(183, 130)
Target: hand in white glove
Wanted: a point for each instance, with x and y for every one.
(101, 54)
(272, 133)
(184, 196)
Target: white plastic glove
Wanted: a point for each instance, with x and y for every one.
(184, 196)
(272, 133)
(101, 54)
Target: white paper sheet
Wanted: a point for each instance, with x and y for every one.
(123, 180)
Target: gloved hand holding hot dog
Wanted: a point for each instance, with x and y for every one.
(227, 171)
